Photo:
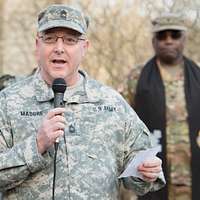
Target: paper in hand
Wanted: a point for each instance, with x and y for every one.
(139, 158)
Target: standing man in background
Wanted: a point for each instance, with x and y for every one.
(165, 92)
(6, 80)
(99, 133)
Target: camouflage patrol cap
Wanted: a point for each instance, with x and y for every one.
(59, 15)
(168, 21)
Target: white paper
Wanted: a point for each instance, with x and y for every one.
(139, 158)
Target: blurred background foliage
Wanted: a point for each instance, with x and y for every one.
(120, 34)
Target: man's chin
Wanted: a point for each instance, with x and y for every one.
(59, 73)
(55, 76)
(168, 58)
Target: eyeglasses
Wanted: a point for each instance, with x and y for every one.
(67, 39)
(174, 34)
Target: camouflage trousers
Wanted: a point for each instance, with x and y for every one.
(127, 194)
(180, 192)
(175, 193)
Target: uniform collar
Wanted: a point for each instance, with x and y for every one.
(89, 93)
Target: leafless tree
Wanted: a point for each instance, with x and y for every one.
(119, 33)
(1, 23)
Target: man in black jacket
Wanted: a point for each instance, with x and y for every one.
(165, 92)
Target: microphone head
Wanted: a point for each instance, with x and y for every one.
(59, 85)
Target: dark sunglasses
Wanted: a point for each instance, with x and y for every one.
(175, 35)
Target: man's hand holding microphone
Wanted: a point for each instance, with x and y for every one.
(53, 124)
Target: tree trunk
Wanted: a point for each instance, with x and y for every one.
(1, 38)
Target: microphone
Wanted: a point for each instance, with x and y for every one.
(58, 87)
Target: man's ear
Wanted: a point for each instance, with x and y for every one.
(36, 40)
(153, 41)
(36, 47)
(184, 37)
(86, 45)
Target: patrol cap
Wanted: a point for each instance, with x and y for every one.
(59, 15)
(168, 21)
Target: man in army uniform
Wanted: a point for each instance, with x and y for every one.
(99, 133)
(165, 92)
(6, 80)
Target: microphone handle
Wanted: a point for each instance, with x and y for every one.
(58, 103)
(58, 100)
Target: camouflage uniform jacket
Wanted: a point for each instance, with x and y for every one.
(102, 135)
